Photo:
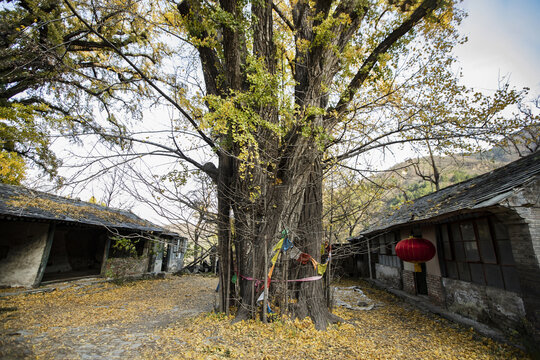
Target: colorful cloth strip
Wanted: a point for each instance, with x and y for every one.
(285, 245)
(304, 258)
(310, 278)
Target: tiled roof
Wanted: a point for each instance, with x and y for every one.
(476, 193)
(24, 203)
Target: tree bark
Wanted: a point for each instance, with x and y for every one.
(311, 298)
(223, 222)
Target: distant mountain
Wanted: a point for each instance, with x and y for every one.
(352, 207)
(414, 177)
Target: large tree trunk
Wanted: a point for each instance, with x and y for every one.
(223, 223)
(312, 301)
(257, 228)
(294, 203)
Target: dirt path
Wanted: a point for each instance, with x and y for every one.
(100, 320)
(170, 319)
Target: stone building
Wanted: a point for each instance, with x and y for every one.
(486, 231)
(44, 237)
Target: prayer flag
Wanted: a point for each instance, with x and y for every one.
(321, 268)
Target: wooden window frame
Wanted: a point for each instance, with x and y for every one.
(466, 263)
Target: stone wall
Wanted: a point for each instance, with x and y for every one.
(489, 305)
(23, 244)
(435, 289)
(409, 285)
(389, 275)
(120, 267)
(523, 222)
(525, 202)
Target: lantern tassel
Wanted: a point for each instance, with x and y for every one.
(417, 267)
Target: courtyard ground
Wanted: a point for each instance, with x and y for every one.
(171, 319)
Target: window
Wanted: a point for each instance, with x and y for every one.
(470, 246)
(479, 251)
(503, 244)
(448, 253)
(387, 249)
(382, 245)
(485, 242)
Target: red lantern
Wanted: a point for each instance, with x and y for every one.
(415, 250)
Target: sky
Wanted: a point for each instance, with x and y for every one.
(503, 46)
(504, 40)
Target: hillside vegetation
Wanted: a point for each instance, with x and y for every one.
(352, 205)
(409, 177)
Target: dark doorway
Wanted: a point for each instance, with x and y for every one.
(75, 253)
(166, 255)
(421, 281)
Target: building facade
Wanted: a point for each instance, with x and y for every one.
(486, 232)
(45, 237)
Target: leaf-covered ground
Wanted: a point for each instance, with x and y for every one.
(171, 319)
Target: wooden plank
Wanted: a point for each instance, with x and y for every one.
(45, 255)
(105, 254)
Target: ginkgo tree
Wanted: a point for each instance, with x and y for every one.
(287, 89)
(285, 84)
(55, 73)
(280, 80)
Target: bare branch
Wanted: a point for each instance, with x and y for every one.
(143, 75)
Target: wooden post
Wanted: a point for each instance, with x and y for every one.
(328, 279)
(265, 297)
(105, 254)
(285, 305)
(328, 292)
(221, 305)
(253, 303)
(369, 259)
(45, 255)
(228, 279)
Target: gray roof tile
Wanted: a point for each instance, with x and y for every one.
(24, 203)
(479, 192)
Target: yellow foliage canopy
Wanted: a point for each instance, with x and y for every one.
(12, 168)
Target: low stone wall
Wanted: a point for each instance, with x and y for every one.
(492, 306)
(435, 289)
(389, 275)
(126, 266)
(24, 244)
(409, 285)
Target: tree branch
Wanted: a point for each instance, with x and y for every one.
(362, 74)
(143, 75)
(283, 17)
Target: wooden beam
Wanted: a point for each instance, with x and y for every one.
(45, 255)
(105, 255)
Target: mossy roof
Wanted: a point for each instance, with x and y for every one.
(24, 203)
